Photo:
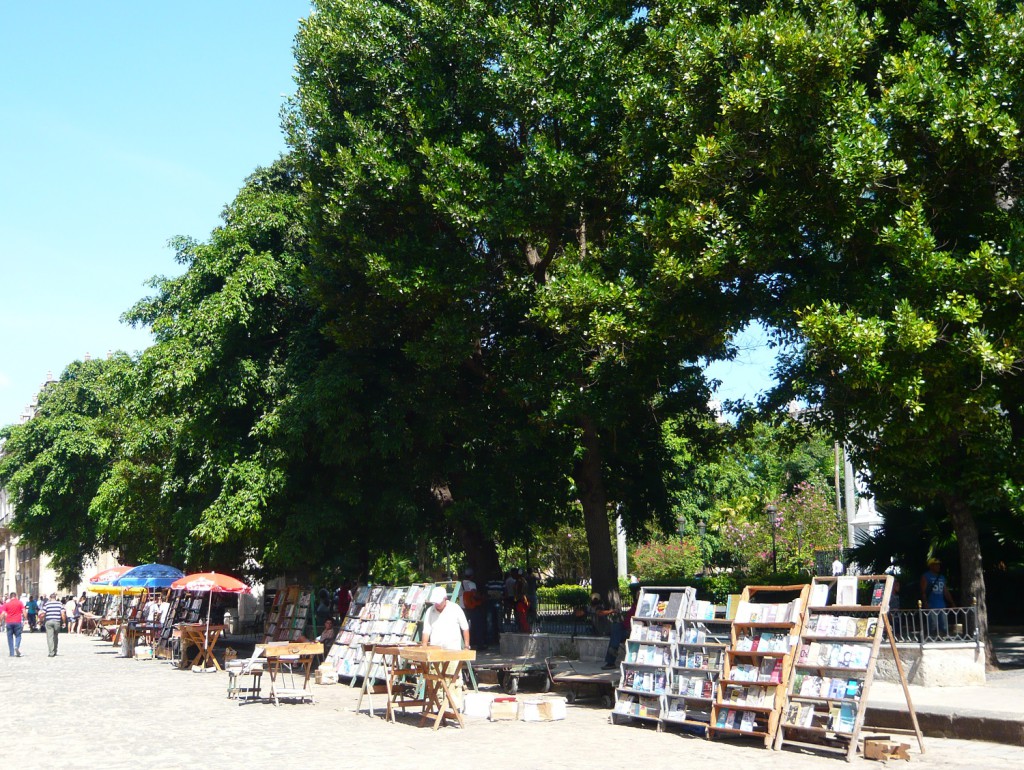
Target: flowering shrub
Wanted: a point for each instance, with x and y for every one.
(666, 561)
(804, 522)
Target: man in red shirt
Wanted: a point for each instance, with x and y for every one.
(14, 612)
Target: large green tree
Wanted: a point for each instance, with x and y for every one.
(53, 464)
(853, 168)
(473, 224)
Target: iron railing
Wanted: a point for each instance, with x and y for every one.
(921, 626)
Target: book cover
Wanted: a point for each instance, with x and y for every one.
(819, 595)
(811, 687)
(847, 718)
(742, 612)
(675, 604)
(846, 590)
(861, 656)
(721, 717)
(659, 681)
(707, 688)
(747, 722)
(837, 689)
(854, 687)
(776, 676)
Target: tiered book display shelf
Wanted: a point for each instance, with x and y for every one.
(179, 611)
(835, 665)
(288, 615)
(705, 634)
(751, 691)
(646, 672)
(381, 615)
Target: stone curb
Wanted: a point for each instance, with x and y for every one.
(945, 722)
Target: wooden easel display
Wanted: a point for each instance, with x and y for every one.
(835, 666)
(752, 689)
(381, 615)
(289, 615)
(646, 672)
(705, 634)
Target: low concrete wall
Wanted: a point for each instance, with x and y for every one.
(546, 645)
(929, 665)
(934, 665)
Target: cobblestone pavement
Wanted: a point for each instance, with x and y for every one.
(87, 708)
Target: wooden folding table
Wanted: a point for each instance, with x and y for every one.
(291, 654)
(203, 637)
(434, 664)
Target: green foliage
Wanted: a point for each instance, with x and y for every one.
(672, 560)
(568, 595)
(804, 521)
(716, 587)
(53, 465)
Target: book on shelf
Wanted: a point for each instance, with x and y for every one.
(877, 592)
(764, 670)
(836, 688)
(854, 688)
(776, 675)
(819, 595)
(792, 716)
(659, 681)
(747, 722)
(676, 709)
(731, 606)
(675, 604)
(846, 590)
(847, 718)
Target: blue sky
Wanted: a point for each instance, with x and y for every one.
(125, 124)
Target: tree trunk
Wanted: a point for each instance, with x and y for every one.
(481, 553)
(972, 576)
(590, 485)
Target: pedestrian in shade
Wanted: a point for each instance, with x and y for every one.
(53, 618)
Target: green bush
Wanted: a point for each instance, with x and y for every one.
(570, 595)
(716, 588)
(658, 563)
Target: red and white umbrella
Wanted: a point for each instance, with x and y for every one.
(211, 582)
(100, 582)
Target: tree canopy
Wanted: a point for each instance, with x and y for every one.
(476, 296)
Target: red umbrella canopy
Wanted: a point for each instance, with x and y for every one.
(211, 581)
(103, 577)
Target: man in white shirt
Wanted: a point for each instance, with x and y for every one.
(445, 623)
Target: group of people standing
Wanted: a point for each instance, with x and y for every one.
(49, 611)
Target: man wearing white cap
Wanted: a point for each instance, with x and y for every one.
(445, 623)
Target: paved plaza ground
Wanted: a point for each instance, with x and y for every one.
(87, 708)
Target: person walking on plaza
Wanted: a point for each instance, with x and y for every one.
(32, 611)
(53, 617)
(70, 606)
(13, 613)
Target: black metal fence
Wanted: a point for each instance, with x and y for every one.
(557, 619)
(953, 624)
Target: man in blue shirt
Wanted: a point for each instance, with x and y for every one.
(935, 596)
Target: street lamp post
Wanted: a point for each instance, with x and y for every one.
(702, 527)
(771, 510)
